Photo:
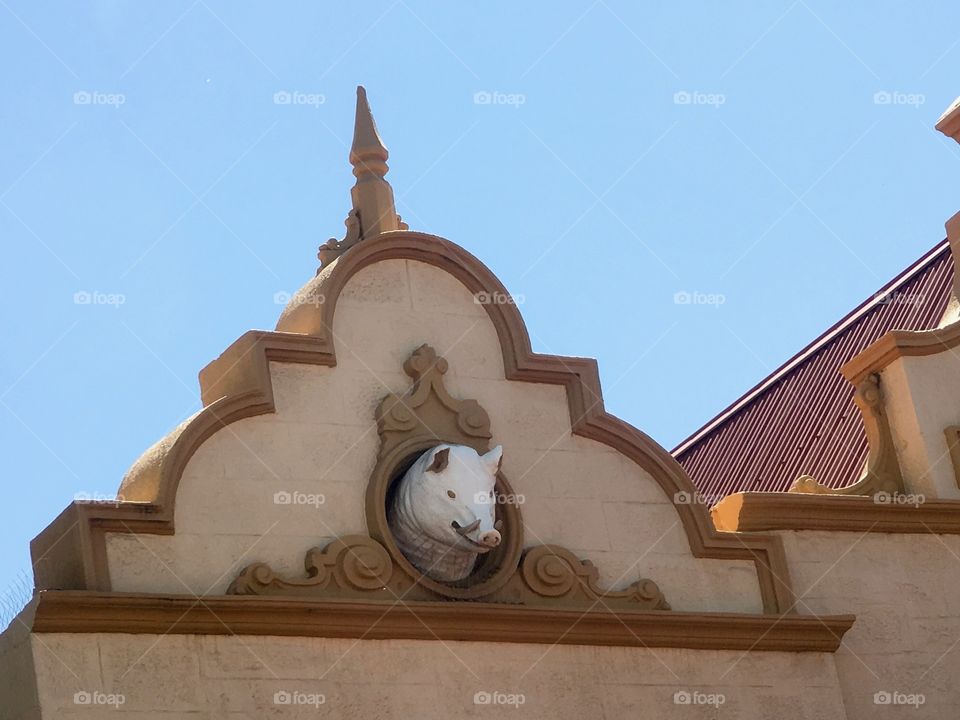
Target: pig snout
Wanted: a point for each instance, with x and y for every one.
(491, 538)
(487, 538)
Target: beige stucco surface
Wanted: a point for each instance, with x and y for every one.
(922, 397)
(904, 592)
(18, 681)
(322, 441)
(214, 677)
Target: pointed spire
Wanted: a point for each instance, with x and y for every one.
(372, 195)
(373, 210)
(368, 153)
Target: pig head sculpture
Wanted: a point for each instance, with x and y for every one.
(443, 514)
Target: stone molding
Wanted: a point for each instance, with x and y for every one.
(890, 513)
(358, 567)
(900, 343)
(60, 611)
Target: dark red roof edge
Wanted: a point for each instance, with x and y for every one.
(838, 327)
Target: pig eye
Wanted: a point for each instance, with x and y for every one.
(451, 494)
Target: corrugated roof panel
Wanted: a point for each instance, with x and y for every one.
(802, 419)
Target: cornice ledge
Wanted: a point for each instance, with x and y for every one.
(66, 611)
(884, 513)
(900, 343)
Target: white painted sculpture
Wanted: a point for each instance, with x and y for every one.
(443, 514)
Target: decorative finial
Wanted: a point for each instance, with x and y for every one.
(368, 153)
(373, 209)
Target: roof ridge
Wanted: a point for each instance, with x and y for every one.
(815, 345)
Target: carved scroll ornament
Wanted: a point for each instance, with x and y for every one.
(356, 566)
(882, 474)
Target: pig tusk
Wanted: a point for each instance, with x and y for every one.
(465, 530)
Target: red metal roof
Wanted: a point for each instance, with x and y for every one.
(802, 419)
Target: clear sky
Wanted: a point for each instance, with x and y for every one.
(167, 168)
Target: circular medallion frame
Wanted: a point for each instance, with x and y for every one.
(409, 425)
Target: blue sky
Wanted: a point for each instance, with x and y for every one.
(777, 159)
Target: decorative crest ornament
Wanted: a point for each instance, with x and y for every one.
(373, 211)
(428, 409)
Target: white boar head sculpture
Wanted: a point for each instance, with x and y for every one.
(443, 514)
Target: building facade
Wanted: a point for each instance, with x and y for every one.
(251, 567)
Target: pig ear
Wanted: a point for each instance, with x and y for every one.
(440, 460)
(493, 459)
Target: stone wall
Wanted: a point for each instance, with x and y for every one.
(18, 682)
(922, 396)
(904, 592)
(221, 677)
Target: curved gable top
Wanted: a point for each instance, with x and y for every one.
(240, 386)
